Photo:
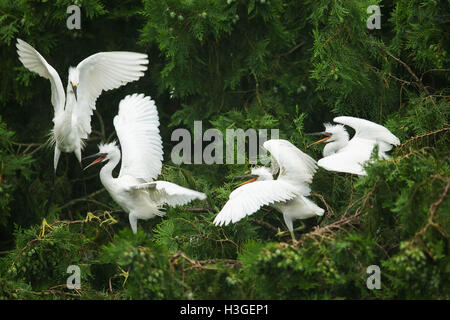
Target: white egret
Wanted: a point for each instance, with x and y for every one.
(288, 193)
(137, 129)
(344, 155)
(72, 112)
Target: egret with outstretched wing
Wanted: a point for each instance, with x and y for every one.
(344, 155)
(72, 112)
(134, 189)
(288, 193)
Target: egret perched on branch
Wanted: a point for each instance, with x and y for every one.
(288, 193)
(100, 72)
(343, 155)
(137, 129)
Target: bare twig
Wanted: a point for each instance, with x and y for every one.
(423, 136)
(292, 49)
(431, 223)
(432, 70)
(72, 202)
(407, 67)
(329, 209)
(203, 264)
(265, 224)
(328, 231)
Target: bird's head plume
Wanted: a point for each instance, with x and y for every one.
(110, 149)
(332, 133)
(106, 152)
(74, 81)
(262, 173)
(336, 132)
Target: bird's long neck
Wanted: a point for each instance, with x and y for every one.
(106, 176)
(70, 104)
(334, 146)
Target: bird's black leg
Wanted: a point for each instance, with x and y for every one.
(52, 188)
(52, 192)
(83, 178)
(78, 156)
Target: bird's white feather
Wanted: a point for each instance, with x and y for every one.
(298, 208)
(357, 151)
(350, 158)
(250, 197)
(294, 165)
(164, 192)
(101, 72)
(369, 130)
(33, 61)
(137, 129)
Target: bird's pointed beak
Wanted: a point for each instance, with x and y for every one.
(328, 136)
(99, 157)
(321, 133)
(246, 176)
(320, 141)
(252, 176)
(75, 87)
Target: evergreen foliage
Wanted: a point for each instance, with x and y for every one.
(283, 64)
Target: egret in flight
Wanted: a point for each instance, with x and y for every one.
(134, 189)
(344, 155)
(287, 193)
(72, 112)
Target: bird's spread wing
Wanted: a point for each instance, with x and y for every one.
(249, 198)
(163, 192)
(350, 158)
(294, 165)
(369, 130)
(101, 72)
(33, 61)
(137, 129)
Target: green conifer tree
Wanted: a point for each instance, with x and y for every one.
(290, 65)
